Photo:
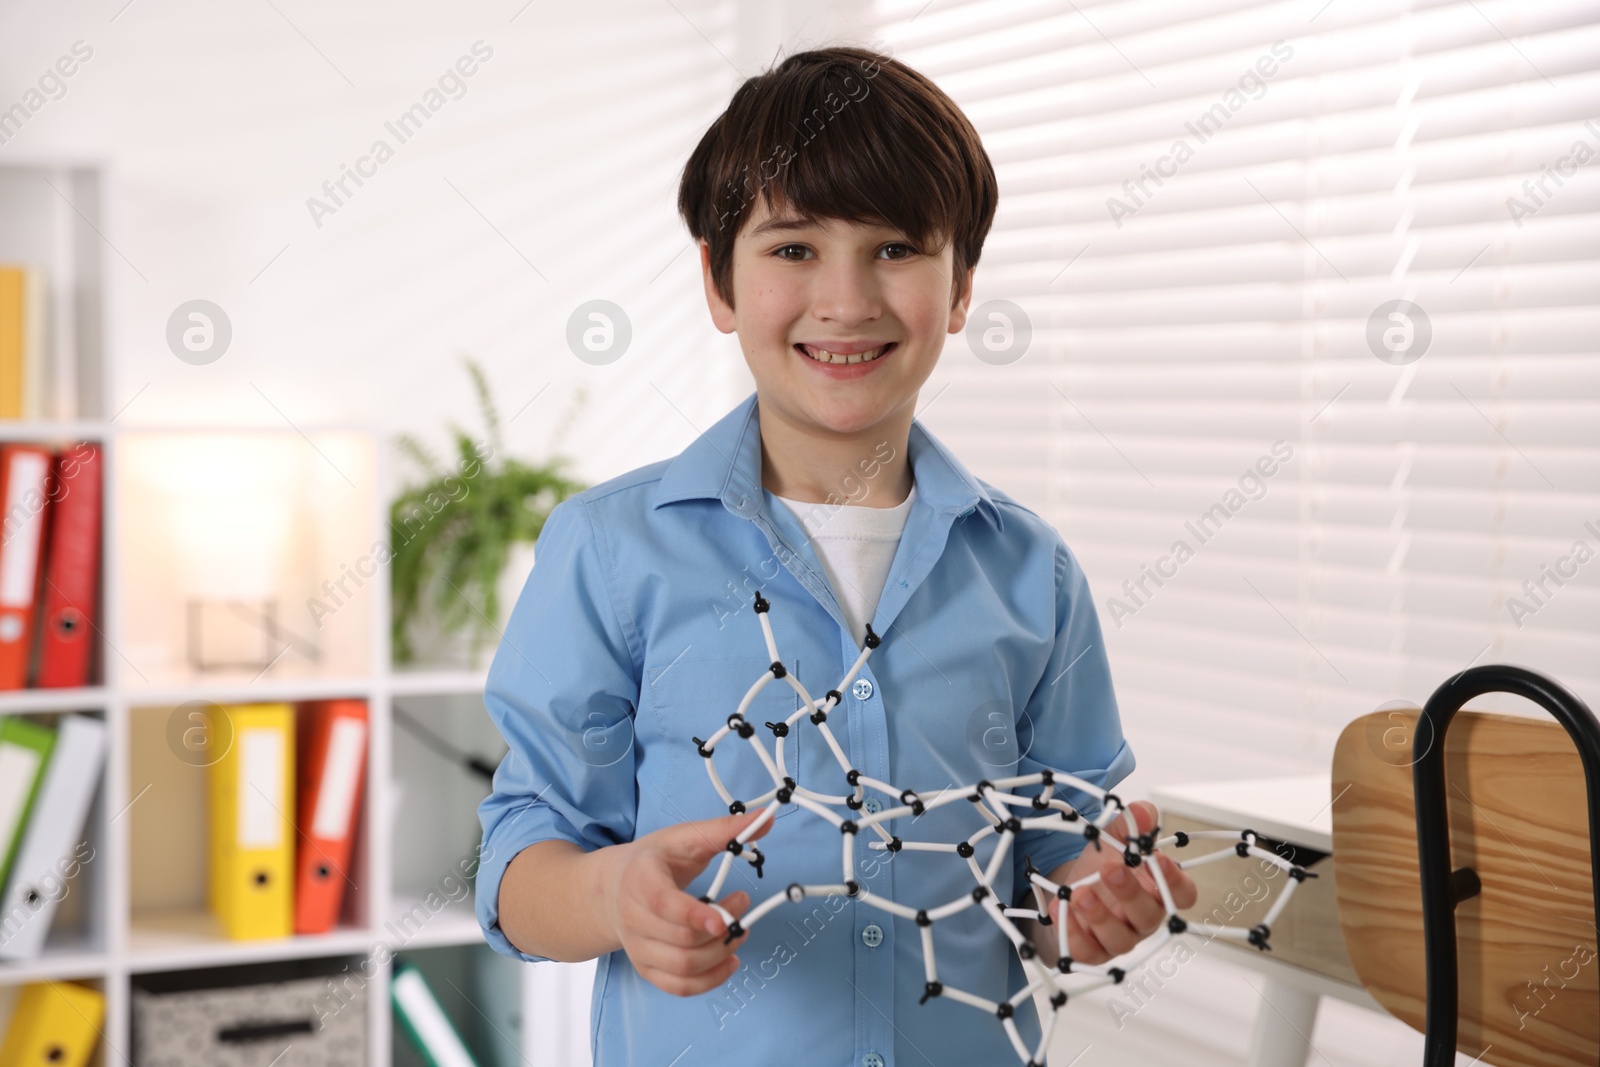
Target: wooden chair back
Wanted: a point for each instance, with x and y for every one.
(1528, 951)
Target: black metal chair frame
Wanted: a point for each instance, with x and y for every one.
(1442, 887)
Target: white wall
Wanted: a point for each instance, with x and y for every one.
(217, 123)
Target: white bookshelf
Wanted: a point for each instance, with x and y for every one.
(138, 906)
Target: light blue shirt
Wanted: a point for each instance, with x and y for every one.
(636, 632)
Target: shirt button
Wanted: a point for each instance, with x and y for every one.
(872, 1059)
(872, 935)
(873, 805)
(862, 690)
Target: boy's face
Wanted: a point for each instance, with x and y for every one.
(836, 282)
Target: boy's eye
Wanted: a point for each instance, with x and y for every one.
(781, 252)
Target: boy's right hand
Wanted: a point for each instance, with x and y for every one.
(674, 939)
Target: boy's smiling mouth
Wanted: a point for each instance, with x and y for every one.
(843, 354)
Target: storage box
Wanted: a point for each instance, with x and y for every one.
(292, 1014)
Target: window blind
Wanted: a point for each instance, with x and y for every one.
(1292, 505)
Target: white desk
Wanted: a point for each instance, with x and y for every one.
(1297, 810)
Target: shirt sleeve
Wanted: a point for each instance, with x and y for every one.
(562, 690)
(1073, 718)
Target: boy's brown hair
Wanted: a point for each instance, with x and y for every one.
(842, 133)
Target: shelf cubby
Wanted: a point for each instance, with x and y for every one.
(182, 506)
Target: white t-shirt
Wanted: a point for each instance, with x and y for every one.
(856, 545)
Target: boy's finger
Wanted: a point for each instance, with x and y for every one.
(1140, 905)
(694, 844)
(731, 826)
(1112, 933)
(737, 902)
(1081, 942)
(706, 922)
(1144, 815)
(699, 924)
(1180, 883)
(680, 986)
(672, 916)
(683, 962)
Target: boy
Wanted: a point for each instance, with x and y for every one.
(841, 261)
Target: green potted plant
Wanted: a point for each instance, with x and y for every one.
(458, 535)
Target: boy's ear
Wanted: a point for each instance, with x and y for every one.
(958, 310)
(721, 313)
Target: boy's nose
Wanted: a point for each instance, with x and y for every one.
(847, 295)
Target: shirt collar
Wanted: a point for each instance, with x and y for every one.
(724, 463)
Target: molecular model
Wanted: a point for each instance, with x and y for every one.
(996, 804)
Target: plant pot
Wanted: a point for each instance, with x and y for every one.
(436, 648)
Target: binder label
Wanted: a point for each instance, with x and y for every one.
(260, 788)
(340, 770)
(18, 766)
(21, 558)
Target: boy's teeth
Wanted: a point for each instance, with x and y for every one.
(822, 356)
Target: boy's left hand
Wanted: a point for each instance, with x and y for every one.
(1124, 907)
